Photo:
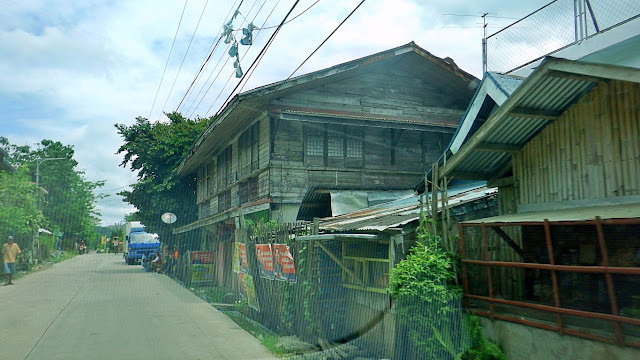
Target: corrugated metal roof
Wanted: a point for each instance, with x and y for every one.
(623, 211)
(400, 212)
(550, 90)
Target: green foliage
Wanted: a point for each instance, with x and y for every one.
(155, 151)
(427, 273)
(66, 199)
(427, 302)
(481, 348)
(19, 215)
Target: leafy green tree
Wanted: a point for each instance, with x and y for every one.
(19, 215)
(66, 199)
(154, 151)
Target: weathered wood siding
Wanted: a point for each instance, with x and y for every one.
(390, 92)
(592, 151)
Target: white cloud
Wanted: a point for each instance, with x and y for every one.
(78, 67)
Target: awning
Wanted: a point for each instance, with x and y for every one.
(623, 211)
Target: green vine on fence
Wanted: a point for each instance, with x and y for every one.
(428, 304)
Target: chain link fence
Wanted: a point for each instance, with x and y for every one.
(554, 27)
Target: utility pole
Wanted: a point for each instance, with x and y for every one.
(484, 43)
(35, 244)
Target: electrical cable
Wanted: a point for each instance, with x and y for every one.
(214, 69)
(293, 18)
(185, 55)
(323, 42)
(225, 63)
(257, 60)
(168, 57)
(205, 62)
(243, 56)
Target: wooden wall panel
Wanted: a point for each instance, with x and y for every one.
(288, 141)
(592, 151)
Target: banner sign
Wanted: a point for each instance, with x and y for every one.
(202, 257)
(240, 262)
(284, 267)
(265, 261)
(202, 272)
(247, 288)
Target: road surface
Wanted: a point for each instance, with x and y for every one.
(95, 306)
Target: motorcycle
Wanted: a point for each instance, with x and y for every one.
(81, 249)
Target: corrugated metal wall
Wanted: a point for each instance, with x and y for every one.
(592, 151)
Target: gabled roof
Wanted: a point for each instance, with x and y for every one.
(493, 91)
(554, 86)
(244, 107)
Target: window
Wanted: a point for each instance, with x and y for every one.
(315, 146)
(224, 168)
(248, 190)
(248, 149)
(354, 148)
(333, 145)
(204, 175)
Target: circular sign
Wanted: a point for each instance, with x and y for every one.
(169, 218)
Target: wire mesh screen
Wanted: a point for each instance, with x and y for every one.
(553, 27)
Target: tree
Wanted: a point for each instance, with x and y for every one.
(66, 198)
(19, 215)
(155, 151)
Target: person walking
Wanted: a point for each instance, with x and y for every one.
(10, 251)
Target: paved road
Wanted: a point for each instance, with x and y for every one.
(96, 307)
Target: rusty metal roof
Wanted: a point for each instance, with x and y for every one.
(554, 86)
(397, 213)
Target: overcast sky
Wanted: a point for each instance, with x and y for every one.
(70, 70)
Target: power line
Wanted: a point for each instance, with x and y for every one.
(293, 18)
(243, 56)
(226, 61)
(219, 60)
(325, 40)
(185, 55)
(257, 60)
(168, 57)
(206, 61)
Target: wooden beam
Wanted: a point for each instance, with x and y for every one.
(468, 175)
(512, 244)
(493, 147)
(603, 71)
(526, 113)
(571, 76)
(339, 262)
(505, 181)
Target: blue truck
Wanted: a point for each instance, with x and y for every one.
(138, 243)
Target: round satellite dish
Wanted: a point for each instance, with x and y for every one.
(169, 218)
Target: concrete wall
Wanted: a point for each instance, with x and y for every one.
(521, 342)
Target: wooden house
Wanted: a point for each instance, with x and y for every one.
(564, 253)
(366, 126)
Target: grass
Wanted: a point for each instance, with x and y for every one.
(266, 337)
(215, 295)
(43, 265)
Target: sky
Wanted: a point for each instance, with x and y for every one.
(70, 70)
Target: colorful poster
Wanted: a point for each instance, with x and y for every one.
(202, 273)
(284, 267)
(240, 262)
(265, 261)
(202, 257)
(247, 288)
